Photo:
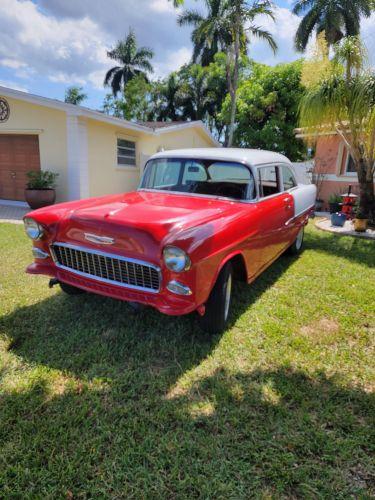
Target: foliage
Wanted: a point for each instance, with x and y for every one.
(113, 106)
(210, 34)
(136, 104)
(43, 179)
(318, 65)
(336, 18)
(99, 402)
(133, 62)
(75, 95)
(346, 103)
(268, 109)
(335, 198)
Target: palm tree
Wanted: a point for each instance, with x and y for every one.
(240, 19)
(345, 102)
(337, 18)
(75, 95)
(133, 60)
(193, 95)
(165, 97)
(210, 35)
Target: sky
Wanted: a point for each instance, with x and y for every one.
(48, 45)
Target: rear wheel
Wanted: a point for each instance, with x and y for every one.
(71, 290)
(296, 248)
(218, 304)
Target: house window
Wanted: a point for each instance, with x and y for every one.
(126, 153)
(268, 181)
(350, 166)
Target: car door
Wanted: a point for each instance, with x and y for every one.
(275, 210)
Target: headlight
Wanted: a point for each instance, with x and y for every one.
(33, 230)
(176, 259)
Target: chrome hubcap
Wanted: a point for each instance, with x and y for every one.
(228, 294)
(299, 239)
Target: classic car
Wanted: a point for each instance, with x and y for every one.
(200, 219)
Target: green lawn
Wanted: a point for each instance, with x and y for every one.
(99, 402)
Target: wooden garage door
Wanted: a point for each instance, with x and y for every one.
(18, 154)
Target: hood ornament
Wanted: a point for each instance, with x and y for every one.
(100, 240)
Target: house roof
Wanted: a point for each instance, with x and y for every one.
(148, 128)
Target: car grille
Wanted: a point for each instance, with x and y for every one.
(106, 267)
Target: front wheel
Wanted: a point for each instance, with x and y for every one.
(296, 247)
(218, 304)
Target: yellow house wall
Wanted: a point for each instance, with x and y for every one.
(50, 124)
(106, 177)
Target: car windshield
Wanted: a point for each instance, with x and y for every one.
(205, 177)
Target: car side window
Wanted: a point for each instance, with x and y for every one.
(289, 181)
(269, 182)
(167, 174)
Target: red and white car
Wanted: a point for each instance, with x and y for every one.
(200, 218)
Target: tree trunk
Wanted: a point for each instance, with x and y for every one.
(234, 79)
(366, 190)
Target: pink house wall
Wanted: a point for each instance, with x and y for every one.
(330, 159)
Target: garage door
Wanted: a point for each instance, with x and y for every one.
(18, 154)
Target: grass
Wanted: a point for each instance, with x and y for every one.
(99, 402)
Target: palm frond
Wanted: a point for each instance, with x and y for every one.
(305, 30)
(189, 17)
(109, 75)
(263, 35)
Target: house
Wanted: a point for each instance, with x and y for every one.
(333, 167)
(93, 153)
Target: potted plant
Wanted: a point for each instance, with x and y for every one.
(360, 221)
(40, 191)
(334, 203)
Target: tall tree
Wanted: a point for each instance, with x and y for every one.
(209, 35)
(337, 18)
(241, 16)
(231, 31)
(133, 61)
(344, 101)
(268, 109)
(165, 98)
(193, 95)
(75, 95)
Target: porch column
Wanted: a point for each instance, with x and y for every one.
(77, 157)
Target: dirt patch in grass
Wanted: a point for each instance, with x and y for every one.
(323, 330)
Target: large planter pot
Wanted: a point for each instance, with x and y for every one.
(334, 207)
(360, 225)
(38, 198)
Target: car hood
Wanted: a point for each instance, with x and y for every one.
(140, 221)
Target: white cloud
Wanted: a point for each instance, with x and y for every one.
(173, 61)
(162, 6)
(12, 63)
(64, 50)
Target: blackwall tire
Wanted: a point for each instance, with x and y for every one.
(218, 304)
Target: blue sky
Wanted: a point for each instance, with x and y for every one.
(48, 45)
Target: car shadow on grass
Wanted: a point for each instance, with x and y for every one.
(266, 434)
(92, 336)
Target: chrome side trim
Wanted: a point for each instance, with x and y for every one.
(298, 215)
(111, 256)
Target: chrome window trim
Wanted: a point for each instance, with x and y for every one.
(111, 256)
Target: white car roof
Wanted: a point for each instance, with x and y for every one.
(253, 157)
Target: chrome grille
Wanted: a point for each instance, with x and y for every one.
(107, 267)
